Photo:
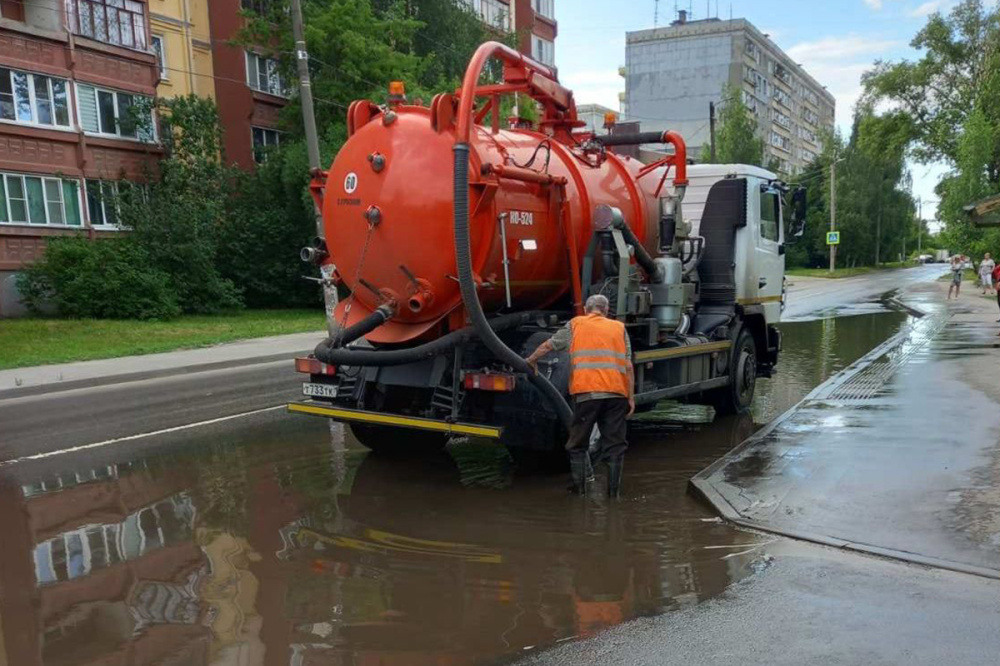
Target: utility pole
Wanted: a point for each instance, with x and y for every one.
(833, 211)
(711, 130)
(305, 94)
(920, 222)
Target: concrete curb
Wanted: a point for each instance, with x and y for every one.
(124, 378)
(700, 484)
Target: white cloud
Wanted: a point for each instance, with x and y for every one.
(595, 86)
(838, 63)
(929, 8)
(874, 4)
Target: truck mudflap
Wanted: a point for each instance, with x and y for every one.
(396, 420)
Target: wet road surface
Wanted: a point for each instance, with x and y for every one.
(279, 540)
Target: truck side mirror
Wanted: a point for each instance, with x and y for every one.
(798, 209)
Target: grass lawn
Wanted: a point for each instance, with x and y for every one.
(26, 342)
(847, 272)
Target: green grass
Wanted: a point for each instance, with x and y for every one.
(968, 275)
(27, 342)
(846, 272)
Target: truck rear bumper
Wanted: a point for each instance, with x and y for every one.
(396, 420)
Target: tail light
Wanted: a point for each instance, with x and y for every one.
(312, 366)
(486, 381)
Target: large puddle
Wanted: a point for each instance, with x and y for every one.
(282, 541)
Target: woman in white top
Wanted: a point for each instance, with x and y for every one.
(986, 273)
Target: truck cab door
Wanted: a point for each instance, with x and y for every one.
(770, 259)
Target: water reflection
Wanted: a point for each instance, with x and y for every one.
(284, 542)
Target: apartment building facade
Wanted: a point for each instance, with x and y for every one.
(181, 38)
(534, 21)
(77, 82)
(250, 89)
(673, 73)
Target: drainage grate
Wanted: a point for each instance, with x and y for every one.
(867, 382)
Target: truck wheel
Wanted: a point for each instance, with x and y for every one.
(736, 398)
(397, 442)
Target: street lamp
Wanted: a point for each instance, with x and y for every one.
(833, 210)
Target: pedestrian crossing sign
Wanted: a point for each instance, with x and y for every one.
(833, 238)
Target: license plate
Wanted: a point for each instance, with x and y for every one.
(319, 390)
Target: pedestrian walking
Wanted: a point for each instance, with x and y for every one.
(957, 268)
(601, 384)
(996, 281)
(986, 267)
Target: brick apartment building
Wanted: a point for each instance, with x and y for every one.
(71, 71)
(533, 20)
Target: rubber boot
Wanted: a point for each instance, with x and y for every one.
(615, 477)
(580, 472)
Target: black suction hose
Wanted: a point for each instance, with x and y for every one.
(463, 261)
(642, 257)
(346, 336)
(328, 353)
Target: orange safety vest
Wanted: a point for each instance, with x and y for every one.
(598, 356)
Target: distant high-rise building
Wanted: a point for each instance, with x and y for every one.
(673, 73)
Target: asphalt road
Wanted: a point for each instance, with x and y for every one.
(809, 298)
(78, 417)
(65, 419)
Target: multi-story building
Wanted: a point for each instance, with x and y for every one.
(180, 36)
(673, 73)
(534, 21)
(77, 80)
(249, 87)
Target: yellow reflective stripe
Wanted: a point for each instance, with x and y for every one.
(677, 352)
(394, 420)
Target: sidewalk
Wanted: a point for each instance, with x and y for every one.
(899, 455)
(84, 374)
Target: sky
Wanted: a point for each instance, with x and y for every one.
(836, 41)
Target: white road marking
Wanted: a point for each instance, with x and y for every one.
(129, 438)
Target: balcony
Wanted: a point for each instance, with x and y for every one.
(118, 22)
(37, 15)
(491, 12)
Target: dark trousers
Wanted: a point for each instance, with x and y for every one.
(609, 415)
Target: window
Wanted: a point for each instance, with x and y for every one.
(543, 50)
(33, 99)
(544, 7)
(810, 116)
(782, 120)
(116, 113)
(263, 75)
(779, 141)
(782, 98)
(760, 85)
(121, 22)
(39, 200)
(491, 12)
(102, 203)
(753, 51)
(263, 140)
(782, 73)
(769, 212)
(161, 55)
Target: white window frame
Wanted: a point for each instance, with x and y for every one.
(6, 175)
(283, 91)
(154, 135)
(161, 54)
(277, 135)
(539, 46)
(103, 225)
(546, 8)
(33, 101)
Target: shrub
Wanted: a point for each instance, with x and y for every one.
(109, 279)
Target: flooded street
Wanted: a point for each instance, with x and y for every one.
(278, 539)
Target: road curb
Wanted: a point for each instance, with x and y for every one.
(159, 373)
(700, 484)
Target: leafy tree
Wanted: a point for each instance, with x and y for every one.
(958, 74)
(737, 138)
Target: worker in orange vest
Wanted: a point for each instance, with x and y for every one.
(601, 384)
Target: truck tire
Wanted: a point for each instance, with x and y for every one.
(738, 395)
(398, 442)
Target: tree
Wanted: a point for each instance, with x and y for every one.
(958, 74)
(737, 137)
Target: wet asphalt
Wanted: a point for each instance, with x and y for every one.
(279, 540)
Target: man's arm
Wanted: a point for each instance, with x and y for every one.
(558, 342)
(631, 375)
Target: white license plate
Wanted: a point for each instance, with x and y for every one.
(319, 390)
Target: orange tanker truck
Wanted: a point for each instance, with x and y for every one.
(465, 242)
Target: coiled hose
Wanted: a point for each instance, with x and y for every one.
(328, 352)
(463, 261)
